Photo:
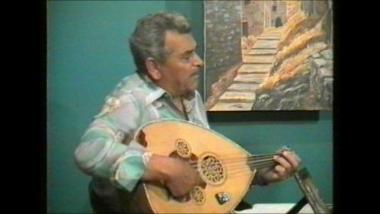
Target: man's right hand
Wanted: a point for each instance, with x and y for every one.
(177, 175)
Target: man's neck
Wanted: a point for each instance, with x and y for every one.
(172, 93)
(179, 103)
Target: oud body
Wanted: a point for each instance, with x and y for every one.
(221, 163)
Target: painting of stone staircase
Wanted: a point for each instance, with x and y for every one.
(257, 63)
(277, 67)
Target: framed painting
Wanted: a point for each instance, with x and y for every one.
(264, 55)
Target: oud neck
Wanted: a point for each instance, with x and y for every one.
(307, 186)
(261, 161)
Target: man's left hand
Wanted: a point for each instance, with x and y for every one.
(287, 163)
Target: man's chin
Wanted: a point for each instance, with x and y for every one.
(190, 92)
(195, 86)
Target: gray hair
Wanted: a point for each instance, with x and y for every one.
(148, 39)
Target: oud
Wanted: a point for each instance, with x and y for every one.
(227, 170)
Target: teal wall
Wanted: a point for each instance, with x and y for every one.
(87, 54)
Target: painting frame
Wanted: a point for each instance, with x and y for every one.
(220, 83)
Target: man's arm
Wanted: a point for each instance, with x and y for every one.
(101, 151)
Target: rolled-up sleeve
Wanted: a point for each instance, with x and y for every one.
(101, 151)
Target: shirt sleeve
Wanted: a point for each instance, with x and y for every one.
(107, 148)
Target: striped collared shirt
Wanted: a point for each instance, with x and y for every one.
(107, 149)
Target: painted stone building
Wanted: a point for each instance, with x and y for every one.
(258, 15)
(223, 36)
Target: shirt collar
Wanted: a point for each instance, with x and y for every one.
(155, 92)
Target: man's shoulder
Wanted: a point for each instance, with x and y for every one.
(130, 82)
(123, 94)
(134, 88)
(129, 85)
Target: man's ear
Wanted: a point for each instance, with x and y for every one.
(153, 68)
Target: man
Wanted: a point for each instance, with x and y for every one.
(164, 86)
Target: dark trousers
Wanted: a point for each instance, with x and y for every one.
(107, 204)
(110, 203)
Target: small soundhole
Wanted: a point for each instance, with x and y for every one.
(183, 148)
(197, 195)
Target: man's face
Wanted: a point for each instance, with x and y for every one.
(180, 72)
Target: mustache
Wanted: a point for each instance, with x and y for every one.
(196, 74)
(195, 77)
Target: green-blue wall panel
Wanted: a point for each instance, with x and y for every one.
(87, 54)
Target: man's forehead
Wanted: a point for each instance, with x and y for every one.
(179, 41)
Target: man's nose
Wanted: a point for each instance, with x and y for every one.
(198, 62)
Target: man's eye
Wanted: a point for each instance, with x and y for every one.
(188, 56)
